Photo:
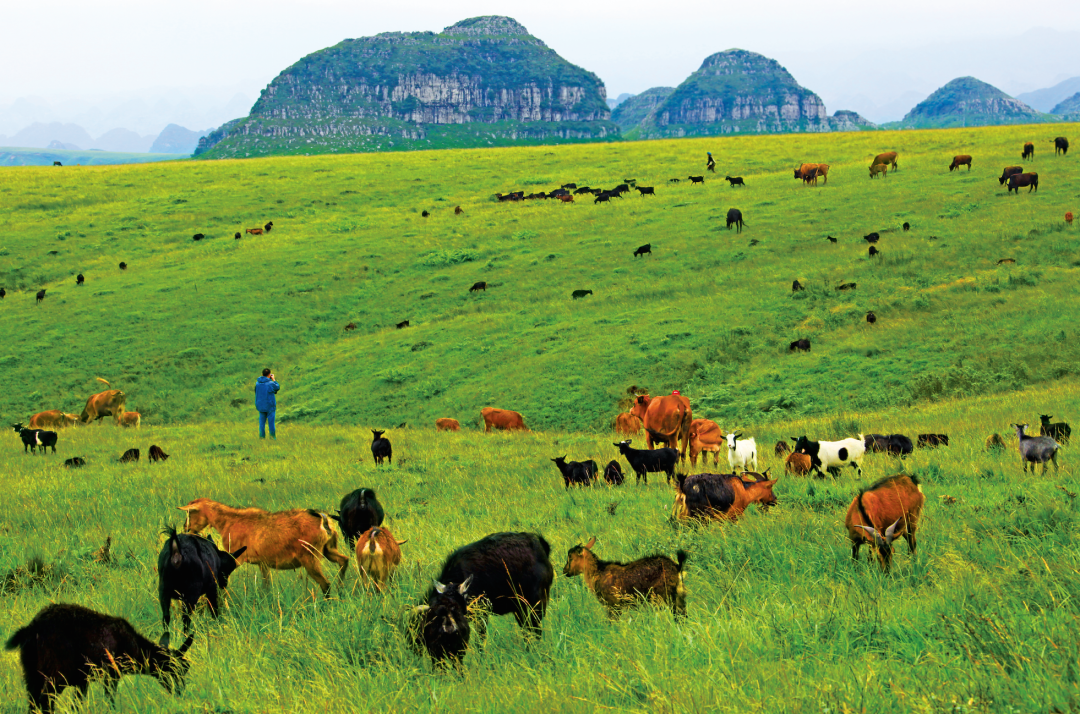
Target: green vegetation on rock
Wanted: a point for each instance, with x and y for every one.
(966, 101)
(633, 111)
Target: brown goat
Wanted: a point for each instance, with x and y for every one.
(994, 441)
(656, 578)
(722, 496)
(378, 555)
(883, 512)
(798, 464)
(285, 540)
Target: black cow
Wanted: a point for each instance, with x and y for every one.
(380, 447)
(402, 325)
(734, 218)
(620, 189)
(796, 286)
(580, 293)
(582, 190)
(613, 473)
(80, 279)
(675, 180)
(603, 197)
(191, 567)
(197, 236)
(576, 473)
(874, 251)
(40, 295)
(735, 181)
(872, 238)
(906, 226)
(34, 438)
(830, 239)
(646, 190)
(57, 163)
(1018, 181)
(123, 265)
(871, 317)
(568, 185)
(1007, 172)
(696, 179)
(425, 214)
(802, 345)
(1061, 146)
(481, 285)
(643, 250)
(645, 461)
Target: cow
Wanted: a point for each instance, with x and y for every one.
(566, 199)
(40, 295)
(254, 231)
(646, 190)
(830, 239)
(802, 345)
(705, 435)
(1018, 181)
(1061, 146)
(57, 163)
(477, 286)
(872, 237)
(198, 236)
(34, 438)
(568, 185)
(52, 419)
(80, 279)
(131, 419)
(123, 265)
(696, 179)
(628, 424)
(580, 294)
(1007, 172)
(458, 211)
(886, 159)
(735, 181)
(643, 250)
(502, 419)
(960, 160)
(75, 462)
(879, 169)
(810, 177)
(822, 171)
(1029, 151)
(107, 403)
(734, 218)
(447, 425)
(603, 197)
(667, 417)
(402, 325)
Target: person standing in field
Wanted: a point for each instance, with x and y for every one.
(710, 164)
(266, 402)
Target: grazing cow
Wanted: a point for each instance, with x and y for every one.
(580, 293)
(569, 185)
(832, 455)
(402, 325)
(52, 419)
(236, 236)
(810, 177)
(906, 226)
(879, 169)
(994, 442)
(380, 448)
(123, 265)
(75, 462)
(3, 292)
(886, 159)
(696, 179)
(895, 500)
(480, 285)
(254, 231)
(446, 424)
(735, 181)
(40, 295)
(798, 464)
(284, 540)
(350, 327)
(644, 461)
(197, 236)
(667, 419)
(1061, 146)
(131, 419)
(871, 317)
(847, 286)
(722, 496)
(1068, 219)
(583, 190)
(1035, 449)
(781, 448)
(646, 190)
(734, 218)
(796, 286)
(1018, 181)
(821, 170)
(892, 444)
(34, 438)
(705, 435)
(873, 251)
(566, 199)
(157, 454)
(57, 163)
(604, 197)
(960, 160)
(130, 456)
(830, 239)
(628, 424)
(740, 453)
(1029, 151)
(71, 645)
(802, 345)
(930, 441)
(872, 237)
(441, 625)
(458, 211)
(576, 473)
(268, 226)
(643, 250)
(620, 190)
(359, 511)
(103, 404)
(502, 419)
(424, 214)
(1060, 431)
(378, 555)
(80, 279)
(190, 568)
(656, 578)
(613, 473)
(511, 570)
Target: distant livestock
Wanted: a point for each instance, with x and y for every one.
(872, 237)
(577, 294)
(892, 444)
(123, 265)
(696, 179)
(960, 160)
(80, 279)
(906, 226)
(479, 285)
(796, 286)
(1007, 172)
(734, 218)
(269, 225)
(883, 512)
(830, 239)
(646, 190)
(735, 181)
(458, 211)
(821, 170)
(1060, 431)
(198, 236)
(722, 496)
(871, 318)
(446, 424)
(502, 419)
(1029, 151)
(131, 456)
(930, 441)
(847, 286)
(381, 448)
(628, 424)
(52, 419)
(424, 214)
(1036, 449)
(655, 578)
(873, 251)
(832, 455)
(57, 163)
(643, 250)
(879, 169)
(1018, 181)
(802, 345)
(236, 236)
(254, 231)
(1061, 146)
(402, 325)
(40, 295)
(886, 159)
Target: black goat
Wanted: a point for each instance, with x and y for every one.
(613, 473)
(380, 447)
(35, 438)
(644, 461)
(576, 473)
(441, 626)
(643, 250)
(359, 511)
(191, 567)
(1059, 432)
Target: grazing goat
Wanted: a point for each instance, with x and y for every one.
(871, 317)
(734, 218)
(696, 179)
(655, 578)
(66, 645)
(189, 568)
(798, 464)
(644, 461)
(580, 293)
(895, 500)
(480, 285)
(575, 472)
(236, 236)
(378, 554)
(613, 473)
(742, 452)
(832, 455)
(735, 181)
(123, 265)
(40, 295)
(930, 441)
(359, 511)
(75, 462)
(802, 345)
(892, 444)
(906, 226)
(284, 540)
(873, 251)
(381, 448)
(130, 456)
(1035, 449)
(796, 286)
(157, 454)
(441, 626)
(722, 496)
(198, 236)
(781, 449)
(402, 325)
(80, 279)
(34, 438)
(643, 250)
(872, 237)
(1059, 432)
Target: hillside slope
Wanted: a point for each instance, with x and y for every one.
(967, 101)
(185, 329)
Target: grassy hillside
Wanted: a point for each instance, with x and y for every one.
(186, 328)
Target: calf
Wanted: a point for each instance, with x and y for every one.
(1018, 181)
(285, 540)
(378, 554)
(722, 496)
(656, 578)
(131, 419)
(740, 453)
(380, 448)
(359, 511)
(832, 455)
(446, 424)
(802, 345)
(646, 190)
(576, 472)
(566, 199)
(580, 293)
(879, 169)
(34, 438)
(929, 441)
(809, 176)
(1007, 172)
(644, 461)
(705, 436)
(1035, 449)
(735, 181)
(157, 454)
(402, 325)
(696, 179)
(960, 160)
(895, 500)
(1029, 151)
(67, 645)
(734, 218)
(613, 474)
(643, 250)
(479, 285)
(254, 231)
(189, 569)
(797, 464)
(603, 197)
(130, 456)
(1060, 432)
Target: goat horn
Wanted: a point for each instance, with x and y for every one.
(890, 532)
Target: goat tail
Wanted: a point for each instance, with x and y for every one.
(18, 639)
(103, 381)
(681, 556)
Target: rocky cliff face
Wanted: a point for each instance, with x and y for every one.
(636, 108)
(967, 101)
(420, 90)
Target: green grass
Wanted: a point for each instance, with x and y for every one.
(71, 157)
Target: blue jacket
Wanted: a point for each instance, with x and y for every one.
(265, 389)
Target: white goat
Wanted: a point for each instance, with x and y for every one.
(741, 452)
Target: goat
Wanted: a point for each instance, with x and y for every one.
(198, 236)
(75, 462)
(480, 285)
(381, 448)
(34, 438)
(157, 454)
(65, 645)
(378, 554)
(130, 456)
(268, 226)
(284, 540)
(40, 295)
(1035, 449)
(892, 444)
(994, 442)
(613, 473)
(781, 449)
(735, 181)
(359, 511)
(402, 325)
(643, 461)
(458, 211)
(797, 464)
(722, 496)
(896, 500)
(929, 441)
(802, 345)
(190, 568)
(871, 318)
(643, 250)
(80, 279)
(576, 472)
(655, 578)
(123, 265)
(441, 626)
(741, 452)
(580, 294)
(1059, 432)
(796, 286)
(831, 455)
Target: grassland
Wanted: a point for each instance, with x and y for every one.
(46, 157)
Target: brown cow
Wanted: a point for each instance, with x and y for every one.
(502, 419)
(1029, 151)
(131, 419)
(822, 170)
(254, 231)
(107, 403)
(705, 435)
(285, 540)
(960, 160)
(888, 158)
(879, 169)
(665, 419)
(52, 419)
(627, 423)
(447, 425)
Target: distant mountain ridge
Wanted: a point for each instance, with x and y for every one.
(72, 137)
(1044, 100)
(966, 101)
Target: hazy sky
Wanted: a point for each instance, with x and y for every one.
(841, 49)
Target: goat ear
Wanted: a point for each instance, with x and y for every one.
(464, 587)
(591, 543)
(439, 587)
